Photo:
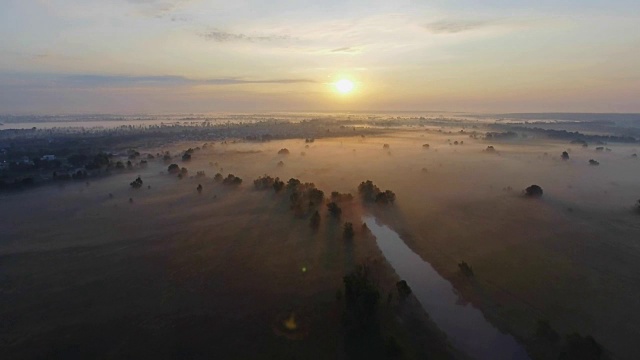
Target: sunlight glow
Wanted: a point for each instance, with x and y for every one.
(344, 86)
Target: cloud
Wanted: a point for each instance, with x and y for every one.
(168, 80)
(223, 36)
(159, 8)
(346, 49)
(456, 26)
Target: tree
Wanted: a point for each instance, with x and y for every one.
(533, 191)
(334, 209)
(263, 182)
(565, 155)
(293, 183)
(173, 169)
(581, 348)
(283, 151)
(338, 197)
(119, 165)
(137, 183)
(199, 188)
(314, 222)
(490, 149)
(183, 173)
(403, 289)
(466, 269)
(593, 163)
(386, 197)
(347, 231)
(361, 296)
(218, 177)
(186, 157)
(232, 180)
(278, 185)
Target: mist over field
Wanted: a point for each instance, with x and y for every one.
(190, 266)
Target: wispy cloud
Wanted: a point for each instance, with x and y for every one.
(457, 26)
(159, 8)
(346, 50)
(224, 36)
(169, 80)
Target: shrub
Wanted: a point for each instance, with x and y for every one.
(533, 191)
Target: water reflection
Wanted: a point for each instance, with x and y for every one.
(465, 325)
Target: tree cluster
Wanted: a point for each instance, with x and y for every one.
(339, 197)
(137, 183)
(232, 180)
(371, 193)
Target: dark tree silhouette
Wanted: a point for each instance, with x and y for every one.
(546, 332)
(293, 183)
(183, 173)
(533, 191)
(232, 180)
(263, 182)
(386, 197)
(173, 169)
(218, 177)
(278, 185)
(361, 296)
(199, 189)
(280, 164)
(466, 269)
(347, 231)
(338, 197)
(283, 151)
(490, 149)
(581, 348)
(314, 221)
(137, 183)
(334, 209)
(200, 174)
(565, 155)
(371, 193)
(186, 157)
(403, 289)
(119, 165)
(593, 163)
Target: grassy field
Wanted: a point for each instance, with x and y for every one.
(182, 274)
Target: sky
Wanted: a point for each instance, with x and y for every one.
(177, 56)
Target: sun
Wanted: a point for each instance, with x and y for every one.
(344, 86)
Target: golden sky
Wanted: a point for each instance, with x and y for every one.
(127, 56)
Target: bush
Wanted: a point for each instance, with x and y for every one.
(218, 177)
(283, 151)
(533, 191)
(466, 269)
(593, 162)
(173, 169)
(565, 155)
(137, 183)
